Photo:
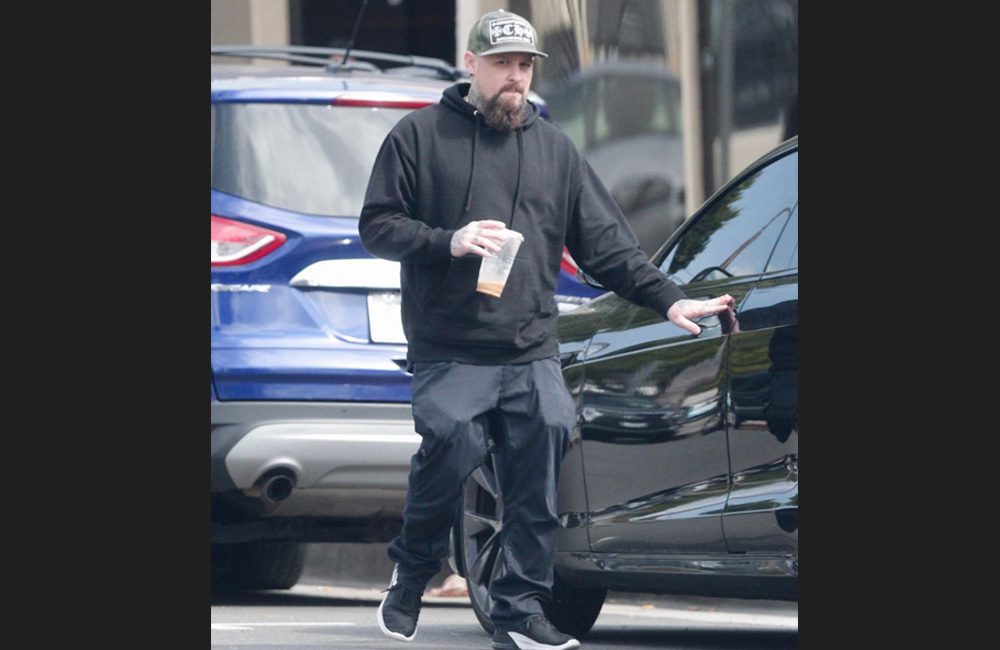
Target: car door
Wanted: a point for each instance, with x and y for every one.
(762, 509)
(652, 400)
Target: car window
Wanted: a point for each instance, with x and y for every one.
(311, 158)
(786, 253)
(735, 236)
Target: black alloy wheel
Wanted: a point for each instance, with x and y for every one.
(476, 540)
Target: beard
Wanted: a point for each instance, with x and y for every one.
(500, 115)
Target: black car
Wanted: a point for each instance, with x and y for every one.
(683, 472)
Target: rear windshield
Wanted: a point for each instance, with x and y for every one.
(303, 157)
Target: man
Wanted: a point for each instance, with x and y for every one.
(449, 183)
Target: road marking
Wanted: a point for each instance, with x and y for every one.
(250, 626)
(789, 621)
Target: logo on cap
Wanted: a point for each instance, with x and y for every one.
(505, 30)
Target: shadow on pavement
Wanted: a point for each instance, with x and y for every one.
(283, 598)
(223, 597)
(672, 638)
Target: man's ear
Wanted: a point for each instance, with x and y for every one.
(470, 62)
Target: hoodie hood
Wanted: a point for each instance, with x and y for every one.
(454, 98)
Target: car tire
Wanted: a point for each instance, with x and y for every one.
(572, 609)
(257, 565)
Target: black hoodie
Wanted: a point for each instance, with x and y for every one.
(440, 168)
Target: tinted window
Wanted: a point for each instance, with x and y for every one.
(786, 253)
(735, 236)
(303, 157)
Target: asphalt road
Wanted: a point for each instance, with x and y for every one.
(312, 616)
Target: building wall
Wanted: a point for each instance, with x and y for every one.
(250, 22)
(747, 55)
(749, 77)
(256, 22)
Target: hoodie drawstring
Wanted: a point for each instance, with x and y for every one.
(517, 188)
(472, 170)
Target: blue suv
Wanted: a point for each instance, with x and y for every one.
(311, 426)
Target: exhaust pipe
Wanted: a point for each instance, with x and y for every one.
(275, 488)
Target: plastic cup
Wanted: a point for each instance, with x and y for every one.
(494, 270)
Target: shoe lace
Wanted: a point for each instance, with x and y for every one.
(393, 587)
(408, 598)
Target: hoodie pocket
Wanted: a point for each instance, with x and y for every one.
(452, 290)
(458, 314)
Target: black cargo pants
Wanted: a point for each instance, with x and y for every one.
(457, 408)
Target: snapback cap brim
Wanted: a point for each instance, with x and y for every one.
(513, 47)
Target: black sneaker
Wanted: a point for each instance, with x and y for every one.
(398, 613)
(534, 633)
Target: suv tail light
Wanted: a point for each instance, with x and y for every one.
(234, 242)
(568, 264)
(374, 99)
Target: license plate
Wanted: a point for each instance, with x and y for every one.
(385, 322)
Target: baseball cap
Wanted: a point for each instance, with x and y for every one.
(502, 31)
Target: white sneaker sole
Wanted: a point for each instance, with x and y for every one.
(526, 643)
(389, 633)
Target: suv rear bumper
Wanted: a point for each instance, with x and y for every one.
(344, 459)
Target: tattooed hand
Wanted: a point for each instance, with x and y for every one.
(480, 237)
